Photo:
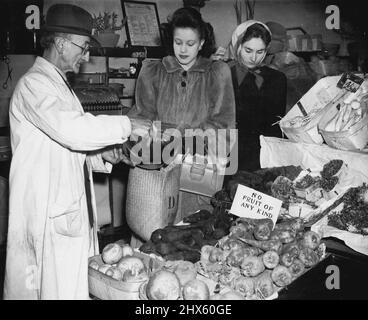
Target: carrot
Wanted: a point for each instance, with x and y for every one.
(281, 276)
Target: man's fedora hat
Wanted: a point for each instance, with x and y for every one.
(68, 18)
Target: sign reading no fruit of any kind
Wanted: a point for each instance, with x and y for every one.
(250, 203)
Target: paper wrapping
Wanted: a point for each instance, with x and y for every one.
(355, 241)
(277, 152)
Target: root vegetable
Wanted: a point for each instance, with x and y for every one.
(263, 285)
(176, 255)
(235, 257)
(248, 223)
(308, 257)
(164, 248)
(199, 215)
(295, 224)
(290, 251)
(240, 230)
(192, 256)
(93, 264)
(173, 234)
(127, 250)
(134, 264)
(205, 252)
(112, 253)
(263, 228)
(219, 233)
(287, 259)
(266, 245)
(244, 285)
(311, 240)
(131, 276)
(148, 247)
(163, 285)
(216, 255)
(251, 251)
(285, 236)
(156, 236)
(270, 259)
(297, 268)
(104, 267)
(281, 276)
(252, 266)
(231, 244)
(196, 290)
(114, 273)
(185, 271)
(180, 245)
(292, 247)
(228, 275)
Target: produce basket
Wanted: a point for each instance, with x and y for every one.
(104, 287)
(356, 138)
(300, 124)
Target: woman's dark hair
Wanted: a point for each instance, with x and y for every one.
(257, 31)
(189, 18)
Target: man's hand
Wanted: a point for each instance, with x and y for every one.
(114, 154)
(140, 128)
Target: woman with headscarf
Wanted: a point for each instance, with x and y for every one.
(260, 92)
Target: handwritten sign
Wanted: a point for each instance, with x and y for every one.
(250, 203)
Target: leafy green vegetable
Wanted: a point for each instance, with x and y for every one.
(331, 168)
(354, 215)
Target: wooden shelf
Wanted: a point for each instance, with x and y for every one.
(121, 76)
(131, 52)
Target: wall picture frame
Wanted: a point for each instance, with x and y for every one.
(142, 23)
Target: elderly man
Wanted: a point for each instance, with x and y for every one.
(55, 145)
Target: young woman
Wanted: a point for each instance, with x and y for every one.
(260, 91)
(186, 88)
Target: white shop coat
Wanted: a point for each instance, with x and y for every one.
(49, 237)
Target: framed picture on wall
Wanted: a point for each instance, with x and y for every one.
(142, 25)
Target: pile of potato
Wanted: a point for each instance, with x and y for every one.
(257, 260)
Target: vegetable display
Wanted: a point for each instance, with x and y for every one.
(184, 242)
(259, 268)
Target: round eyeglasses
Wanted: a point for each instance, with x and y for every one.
(85, 49)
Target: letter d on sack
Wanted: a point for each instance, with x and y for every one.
(172, 202)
